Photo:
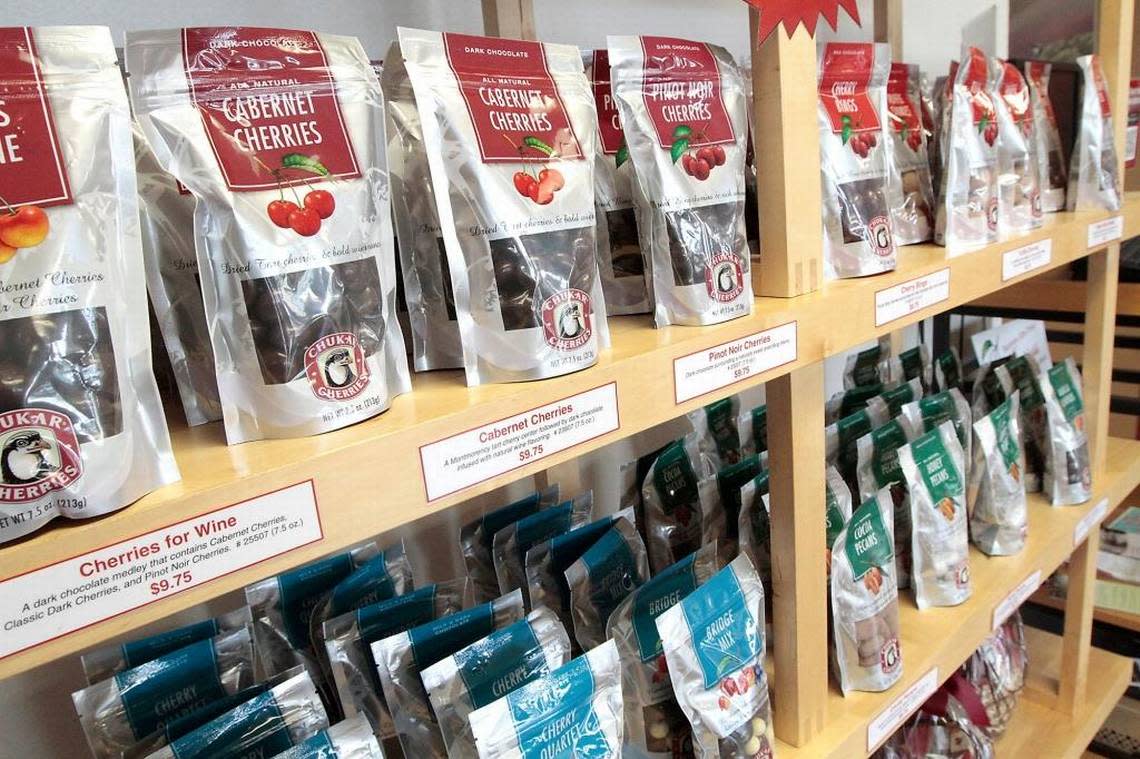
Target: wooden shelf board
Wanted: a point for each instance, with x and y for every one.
(368, 478)
(1059, 295)
(1038, 729)
(945, 637)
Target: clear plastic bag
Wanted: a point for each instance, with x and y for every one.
(1051, 167)
(678, 518)
(477, 539)
(1093, 180)
(348, 739)
(996, 497)
(1018, 179)
(878, 469)
(1068, 478)
(914, 219)
(83, 432)
(513, 541)
(293, 223)
(602, 577)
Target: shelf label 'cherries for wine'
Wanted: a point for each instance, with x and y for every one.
(72, 594)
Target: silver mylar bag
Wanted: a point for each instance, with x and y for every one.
(498, 117)
(1051, 167)
(1068, 479)
(1093, 182)
(351, 738)
(1019, 183)
(999, 520)
(679, 99)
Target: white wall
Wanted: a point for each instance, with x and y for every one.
(36, 714)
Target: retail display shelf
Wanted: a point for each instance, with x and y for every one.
(939, 640)
(386, 473)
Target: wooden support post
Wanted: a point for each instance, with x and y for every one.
(509, 18)
(787, 164)
(888, 25)
(1077, 640)
(1096, 357)
(799, 594)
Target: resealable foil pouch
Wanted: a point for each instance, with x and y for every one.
(948, 370)
(713, 640)
(423, 257)
(166, 218)
(81, 426)
(188, 723)
(654, 724)
(1068, 479)
(602, 577)
(621, 264)
(477, 539)
(293, 220)
(718, 434)
(574, 711)
(914, 218)
(878, 469)
(915, 363)
(283, 605)
(933, 467)
(513, 541)
(117, 712)
(895, 398)
(264, 726)
(866, 367)
(1018, 179)
(109, 660)
(860, 185)
(752, 429)
(1093, 180)
(1051, 169)
(489, 669)
(841, 440)
(402, 657)
(996, 495)
(382, 577)
(510, 130)
(926, 414)
(967, 213)
(684, 109)
(847, 402)
(678, 519)
(547, 564)
(865, 599)
(838, 507)
(348, 739)
(348, 645)
(1021, 373)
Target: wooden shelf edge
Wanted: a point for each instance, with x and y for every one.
(376, 463)
(944, 638)
(1037, 729)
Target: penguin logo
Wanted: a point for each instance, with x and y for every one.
(336, 367)
(879, 231)
(889, 656)
(724, 277)
(992, 214)
(566, 320)
(39, 453)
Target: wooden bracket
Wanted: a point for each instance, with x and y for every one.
(786, 146)
(509, 18)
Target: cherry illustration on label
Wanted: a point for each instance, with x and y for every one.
(697, 163)
(21, 227)
(305, 215)
(539, 189)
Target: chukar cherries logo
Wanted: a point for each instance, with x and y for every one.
(890, 656)
(566, 319)
(336, 367)
(724, 277)
(39, 453)
(879, 235)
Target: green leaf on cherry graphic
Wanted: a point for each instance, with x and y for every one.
(845, 133)
(622, 155)
(539, 145)
(679, 148)
(985, 122)
(682, 131)
(304, 163)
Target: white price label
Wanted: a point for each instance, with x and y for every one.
(460, 461)
(902, 707)
(911, 296)
(1016, 598)
(1103, 232)
(69, 595)
(722, 365)
(1025, 259)
(1130, 144)
(1095, 514)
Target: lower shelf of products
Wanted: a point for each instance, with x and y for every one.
(941, 639)
(1038, 729)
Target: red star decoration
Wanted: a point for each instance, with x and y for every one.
(795, 12)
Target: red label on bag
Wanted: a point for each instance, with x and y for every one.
(724, 277)
(31, 164)
(1038, 74)
(1014, 92)
(682, 91)
(567, 319)
(269, 106)
(845, 74)
(904, 115)
(609, 123)
(511, 98)
(1101, 87)
(336, 367)
(975, 78)
(39, 453)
